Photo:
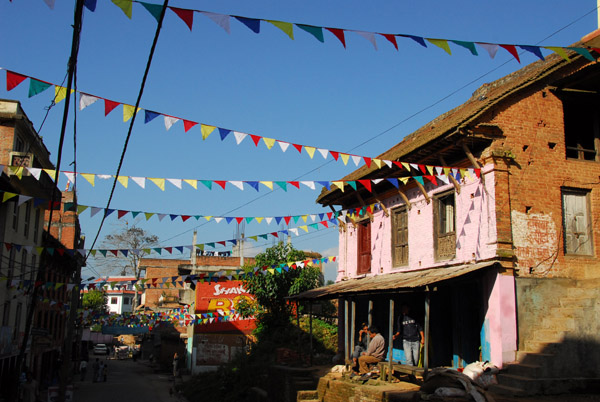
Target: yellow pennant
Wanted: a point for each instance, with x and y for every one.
(255, 238)
(124, 180)
(91, 178)
(39, 250)
(310, 151)
(125, 5)
(93, 252)
(441, 43)
(404, 179)
(128, 112)
(259, 219)
(268, 184)
(269, 142)
(559, 51)
(148, 215)
(206, 130)
(7, 196)
(304, 217)
(447, 171)
(81, 208)
(207, 218)
(286, 27)
(160, 183)
(430, 170)
(305, 228)
(271, 271)
(377, 162)
(191, 182)
(463, 172)
(60, 93)
(345, 158)
(406, 165)
(17, 171)
(339, 184)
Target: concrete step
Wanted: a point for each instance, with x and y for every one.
(548, 335)
(505, 390)
(529, 385)
(577, 301)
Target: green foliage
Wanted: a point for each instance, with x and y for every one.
(95, 300)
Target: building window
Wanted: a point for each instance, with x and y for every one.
(33, 270)
(576, 222)
(113, 300)
(19, 144)
(27, 219)
(399, 237)
(18, 314)
(23, 263)
(15, 216)
(582, 126)
(5, 314)
(11, 266)
(126, 300)
(445, 232)
(36, 225)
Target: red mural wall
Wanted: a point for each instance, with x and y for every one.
(222, 296)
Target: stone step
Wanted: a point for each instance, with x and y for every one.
(589, 283)
(577, 301)
(525, 370)
(548, 335)
(559, 324)
(307, 395)
(533, 357)
(529, 385)
(541, 347)
(505, 390)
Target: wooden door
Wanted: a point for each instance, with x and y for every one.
(364, 247)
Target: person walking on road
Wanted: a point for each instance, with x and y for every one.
(83, 369)
(96, 369)
(175, 364)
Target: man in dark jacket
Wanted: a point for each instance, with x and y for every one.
(412, 336)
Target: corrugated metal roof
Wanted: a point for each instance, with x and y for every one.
(396, 281)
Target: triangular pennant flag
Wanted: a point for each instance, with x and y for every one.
(86, 100)
(251, 23)
(124, 180)
(352, 184)
(268, 184)
(512, 50)
(35, 172)
(467, 45)
(140, 181)
(128, 112)
(392, 39)
(339, 33)
(255, 139)
(269, 142)
(253, 184)
(175, 182)
(286, 27)
(148, 115)
(160, 183)
(583, 52)
(169, 121)
(298, 147)
(339, 184)
(207, 183)
(37, 87)
(60, 93)
(441, 43)
(417, 39)
(206, 130)
(366, 184)
(238, 184)
(491, 48)
(309, 184)
(187, 124)
(109, 106)
(317, 32)
(283, 145)
(282, 184)
(186, 15)
(356, 159)
(221, 183)
(370, 36)
(192, 182)
(239, 137)
(310, 151)
(345, 158)
(13, 80)
(533, 49)
(558, 50)
(323, 152)
(221, 20)
(125, 6)
(154, 9)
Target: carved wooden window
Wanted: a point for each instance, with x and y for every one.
(576, 222)
(399, 237)
(444, 226)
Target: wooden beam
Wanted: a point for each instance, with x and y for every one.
(362, 202)
(423, 191)
(452, 179)
(405, 198)
(342, 224)
(472, 159)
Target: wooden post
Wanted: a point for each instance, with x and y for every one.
(346, 351)
(299, 330)
(423, 191)
(385, 210)
(472, 159)
(362, 202)
(352, 327)
(426, 342)
(390, 340)
(452, 179)
(310, 331)
(370, 319)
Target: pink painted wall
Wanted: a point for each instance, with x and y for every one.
(501, 323)
(475, 229)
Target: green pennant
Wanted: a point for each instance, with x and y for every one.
(212, 245)
(317, 32)
(419, 179)
(296, 218)
(154, 9)
(207, 183)
(135, 213)
(68, 206)
(467, 45)
(352, 184)
(36, 87)
(50, 250)
(249, 219)
(282, 184)
(314, 226)
(103, 252)
(264, 236)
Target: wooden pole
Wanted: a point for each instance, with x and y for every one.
(370, 319)
(310, 305)
(390, 340)
(353, 326)
(346, 351)
(426, 342)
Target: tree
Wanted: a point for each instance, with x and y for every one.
(270, 306)
(95, 300)
(135, 239)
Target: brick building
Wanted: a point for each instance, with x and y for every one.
(500, 263)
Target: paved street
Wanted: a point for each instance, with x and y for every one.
(127, 381)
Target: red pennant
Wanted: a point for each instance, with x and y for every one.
(287, 219)
(398, 164)
(295, 184)
(169, 250)
(255, 139)
(221, 183)
(423, 169)
(109, 106)
(366, 183)
(369, 209)
(121, 213)
(339, 33)
(392, 39)
(61, 251)
(275, 234)
(185, 217)
(13, 79)
(115, 252)
(324, 223)
(335, 154)
(333, 259)
(431, 179)
(329, 215)
(512, 50)
(239, 219)
(367, 161)
(478, 173)
(222, 243)
(8, 246)
(186, 15)
(298, 147)
(188, 124)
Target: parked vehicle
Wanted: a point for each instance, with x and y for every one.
(100, 349)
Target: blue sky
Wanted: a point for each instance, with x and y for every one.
(300, 91)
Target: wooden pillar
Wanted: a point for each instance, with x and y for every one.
(423, 191)
(310, 305)
(299, 330)
(370, 319)
(390, 339)
(346, 346)
(426, 342)
(352, 327)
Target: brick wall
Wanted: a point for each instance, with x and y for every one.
(160, 268)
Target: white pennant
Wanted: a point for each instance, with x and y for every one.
(323, 152)
(94, 211)
(377, 181)
(239, 137)
(309, 184)
(70, 176)
(238, 184)
(169, 121)
(356, 159)
(104, 176)
(175, 182)
(218, 219)
(161, 217)
(439, 170)
(370, 36)
(269, 220)
(221, 20)
(35, 172)
(313, 217)
(294, 231)
(414, 166)
(283, 145)
(140, 181)
(22, 199)
(85, 100)
(443, 178)
(388, 163)
(491, 48)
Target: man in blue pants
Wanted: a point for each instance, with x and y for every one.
(412, 336)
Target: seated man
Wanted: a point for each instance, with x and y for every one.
(374, 353)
